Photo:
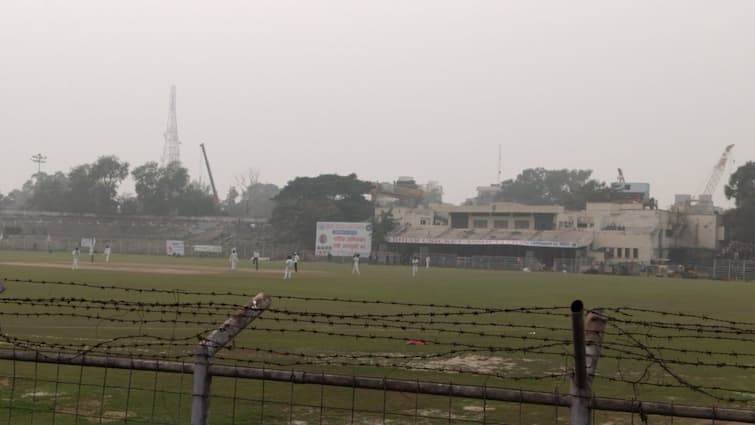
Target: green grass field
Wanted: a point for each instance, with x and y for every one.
(524, 348)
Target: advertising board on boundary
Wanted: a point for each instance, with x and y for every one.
(208, 249)
(341, 239)
(174, 248)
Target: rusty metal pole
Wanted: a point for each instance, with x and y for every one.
(587, 344)
(579, 414)
(206, 349)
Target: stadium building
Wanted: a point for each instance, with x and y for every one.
(543, 236)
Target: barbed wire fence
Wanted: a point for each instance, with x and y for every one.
(119, 354)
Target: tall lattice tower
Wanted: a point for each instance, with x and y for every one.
(171, 149)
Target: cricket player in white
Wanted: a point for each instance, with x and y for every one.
(288, 272)
(415, 265)
(355, 267)
(427, 262)
(75, 255)
(296, 262)
(107, 253)
(234, 259)
(256, 260)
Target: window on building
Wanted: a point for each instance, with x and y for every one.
(501, 224)
(626, 253)
(480, 224)
(422, 221)
(635, 253)
(521, 224)
(459, 221)
(618, 252)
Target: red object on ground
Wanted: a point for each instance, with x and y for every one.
(415, 342)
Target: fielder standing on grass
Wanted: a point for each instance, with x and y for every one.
(234, 259)
(288, 272)
(91, 249)
(296, 262)
(107, 252)
(256, 260)
(427, 262)
(415, 265)
(355, 267)
(75, 256)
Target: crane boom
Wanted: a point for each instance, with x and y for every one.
(718, 171)
(209, 173)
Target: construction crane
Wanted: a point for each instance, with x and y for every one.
(718, 171)
(209, 173)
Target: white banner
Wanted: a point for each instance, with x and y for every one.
(208, 249)
(174, 248)
(343, 239)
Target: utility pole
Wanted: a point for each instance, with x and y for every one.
(39, 159)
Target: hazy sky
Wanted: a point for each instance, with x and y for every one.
(424, 88)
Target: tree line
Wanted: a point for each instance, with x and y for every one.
(572, 189)
(295, 209)
(739, 222)
(160, 190)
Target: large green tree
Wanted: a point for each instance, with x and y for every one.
(87, 188)
(255, 201)
(168, 191)
(49, 192)
(94, 187)
(158, 189)
(739, 222)
(107, 173)
(230, 202)
(18, 198)
(258, 200)
(197, 200)
(539, 186)
(741, 186)
(329, 197)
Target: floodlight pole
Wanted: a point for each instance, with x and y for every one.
(39, 159)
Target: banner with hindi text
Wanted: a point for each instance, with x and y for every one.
(342, 239)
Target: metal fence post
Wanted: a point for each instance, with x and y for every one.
(586, 354)
(206, 349)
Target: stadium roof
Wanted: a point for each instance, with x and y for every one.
(434, 235)
(503, 207)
